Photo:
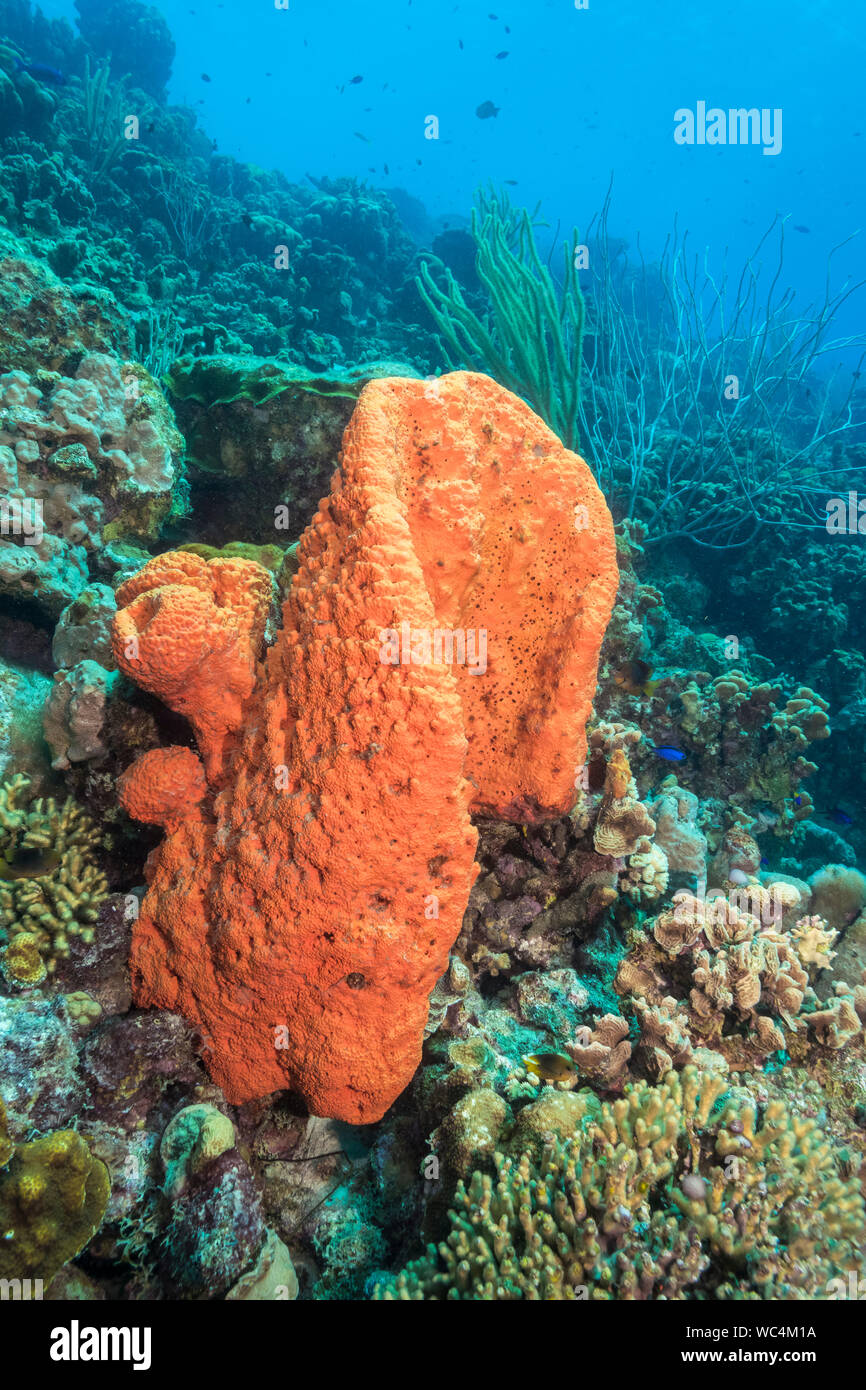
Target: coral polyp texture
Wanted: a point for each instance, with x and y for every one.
(51, 885)
(302, 910)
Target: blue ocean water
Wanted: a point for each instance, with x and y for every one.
(583, 95)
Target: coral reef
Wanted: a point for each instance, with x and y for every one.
(720, 980)
(675, 1191)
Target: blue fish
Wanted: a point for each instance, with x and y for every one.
(840, 817)
(53, 76)
(670, 755)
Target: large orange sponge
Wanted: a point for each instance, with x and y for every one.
(190, 632)
(302, 915)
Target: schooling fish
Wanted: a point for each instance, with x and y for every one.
(635, 678)
(28, 863)
(486, 110)
(355, 80)
(669, 755)
(53, 76)
(549, 1066)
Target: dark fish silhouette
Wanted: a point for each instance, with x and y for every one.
(355, 80)
(42, 72)
(635, 678)
(503, 54)
(204, 77)
(800, 228)
(486, 110)
(26, 862)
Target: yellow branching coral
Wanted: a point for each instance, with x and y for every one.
(53, 1196)
(652, 1196)
(50, 884)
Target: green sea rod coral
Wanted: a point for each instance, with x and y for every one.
(531, 340)
(656, 1195)
(50, 884)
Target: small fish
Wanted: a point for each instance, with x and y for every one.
(669, 755)
(355, 80)
(840, 817)
(503, 54)
(387, 170)
(53, 76)
(204, 77)
(247, 219)
(460, 41)
(358, 136)
(512, 183)
(486, 110)
(635, 678)
(28, 863)
(800, 228)
(493, 16)
(549, 1066)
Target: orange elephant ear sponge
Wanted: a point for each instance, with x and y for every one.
(190, 632)
(519, 558)
(163, 787)
(302, 911)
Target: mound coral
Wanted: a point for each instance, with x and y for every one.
(84, 460)
(653, 1196)
(53, 1196)
(50, 884)
(302, 913)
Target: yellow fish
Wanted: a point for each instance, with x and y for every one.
(549, 1066)
(635, 678)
